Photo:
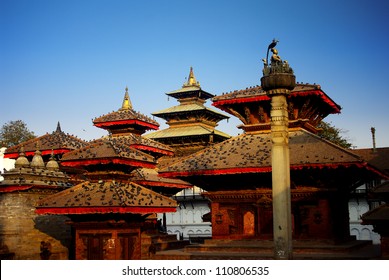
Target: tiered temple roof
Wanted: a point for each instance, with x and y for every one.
(191, 123)
(57, 142)
(108, 151)
(106, 197)
(237, 173)
(249, 154)
(108, 163)
(307, 105)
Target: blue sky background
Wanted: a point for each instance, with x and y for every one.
(70, 61)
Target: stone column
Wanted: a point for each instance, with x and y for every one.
(278, 80)
(282, 222)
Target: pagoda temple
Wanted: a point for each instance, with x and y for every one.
(110, 212)
(191, 123)
(236, 173)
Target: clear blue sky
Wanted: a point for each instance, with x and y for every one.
(70, 61)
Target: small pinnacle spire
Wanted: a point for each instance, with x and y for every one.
(52, 164)
(126, 101)
(21, 161)
(37, 146)
(58, 128)
(21, 151)
(37, 160)
(373, 137)
(191, 80)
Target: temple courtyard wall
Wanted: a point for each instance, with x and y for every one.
(25, 235)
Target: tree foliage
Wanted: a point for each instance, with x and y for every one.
(14, 132)
(334, 135)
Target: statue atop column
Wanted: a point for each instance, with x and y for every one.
(277, 74)
(277, 65)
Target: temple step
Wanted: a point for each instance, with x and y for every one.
(160, 242)
(170, 245)
(262, 250)
(232, 246)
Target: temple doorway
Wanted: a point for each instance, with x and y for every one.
(249, 223)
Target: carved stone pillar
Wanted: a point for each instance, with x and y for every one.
(278, 81)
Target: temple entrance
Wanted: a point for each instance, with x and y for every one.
(93, 246)
(249, 223)
(103, 245)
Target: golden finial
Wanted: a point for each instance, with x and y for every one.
(38, 146)
(126, 101)
(191, 80)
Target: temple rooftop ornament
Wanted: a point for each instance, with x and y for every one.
(190, 89)
(58, 128)
(125, 120)
(126, 101)
(192, 82)
(22, 161)
(37, 160)
(34, 177)
(278, 73)
(52, 164)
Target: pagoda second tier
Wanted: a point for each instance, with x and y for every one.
(307, 106)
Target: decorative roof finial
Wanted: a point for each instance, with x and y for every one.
(37, 160)
(191, 80)
(52, 164)
(21, 161)
(126, 101)
(58, 128)
(373, 137)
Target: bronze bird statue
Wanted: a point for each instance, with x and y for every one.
(272, 45)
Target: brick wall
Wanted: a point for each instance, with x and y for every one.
(22, 231)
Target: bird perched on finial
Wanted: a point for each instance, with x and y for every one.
(272, 45)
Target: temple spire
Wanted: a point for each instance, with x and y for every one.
(126, 101)
(58, 127)
(191, 80)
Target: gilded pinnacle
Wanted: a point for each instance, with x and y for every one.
(191, 80)
(126, 101)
